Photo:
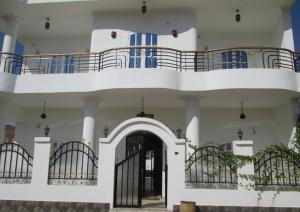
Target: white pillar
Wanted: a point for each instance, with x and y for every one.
(244, 148)
(192, 113)
(287, 30)
(11, 32)
(89, 122)
(41, 157)
(10, 38)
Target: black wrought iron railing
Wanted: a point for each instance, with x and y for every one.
(73, 160)
(297, 62)
(207, 165)
(153, 57)
(15, 161)
(277, 168)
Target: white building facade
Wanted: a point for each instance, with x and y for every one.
(122, 103)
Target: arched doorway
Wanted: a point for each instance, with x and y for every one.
(175, 155)
(140, 170)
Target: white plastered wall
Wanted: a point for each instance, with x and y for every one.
(283, 34)
(56, 45)
(159, 22)
(218, 125)
(285, 116)
(217, 41)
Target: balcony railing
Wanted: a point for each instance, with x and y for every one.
(153, 57)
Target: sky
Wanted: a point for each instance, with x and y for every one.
(295, 22)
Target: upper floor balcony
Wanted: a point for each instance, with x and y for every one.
(152, 67)
(169, 47)
(155, 58)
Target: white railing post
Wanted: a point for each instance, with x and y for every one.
(244, 148)
(40, 167)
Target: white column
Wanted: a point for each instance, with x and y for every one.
(41, 157)
(11, 32)
(287, 30)
(89, 122)
(244, 148)
(10, 37)
(192, 113)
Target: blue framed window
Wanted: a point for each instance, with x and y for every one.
(1, 40)
(151, 54)
(55, 66)
(234, 59)
(69, 64)
(135, 56)
(17, 61)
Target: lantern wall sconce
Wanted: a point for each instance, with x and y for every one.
(47, 24)
(240, 134)
(105, 131)
(113, 34)
(179, 132)
(43, 115)
(144, 7)
(46, 130)
(175, 33)
(242, 115)
(238, 16)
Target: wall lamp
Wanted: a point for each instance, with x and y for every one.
(144, 7)
(46, 130)
(242, 115)
(47, 24)
(240, 134)
(43, 115)
(179, 132)
(105, 131)
(237, 16)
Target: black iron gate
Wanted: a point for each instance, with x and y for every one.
(128, 181)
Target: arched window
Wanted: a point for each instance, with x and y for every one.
(234, 59)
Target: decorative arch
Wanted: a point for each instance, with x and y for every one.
(142, 124)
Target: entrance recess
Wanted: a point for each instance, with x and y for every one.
(139, 175)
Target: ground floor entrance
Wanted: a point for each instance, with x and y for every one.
(141, 172)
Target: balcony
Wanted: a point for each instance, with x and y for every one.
(153, 58)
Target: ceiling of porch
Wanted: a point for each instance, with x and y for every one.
(156, 98)
(76, 18)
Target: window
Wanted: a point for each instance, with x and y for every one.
(135, 55)
(55, 65)
(69, 64)
(151, 61)
(1, 40)
(17, 61)
(234, 59)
